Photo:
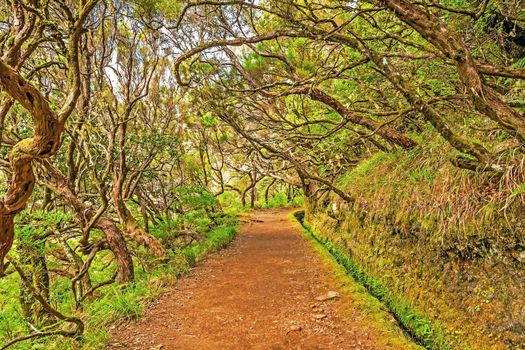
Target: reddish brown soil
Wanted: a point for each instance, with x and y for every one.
(260, 293)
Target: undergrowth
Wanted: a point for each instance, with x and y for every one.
(114, 303)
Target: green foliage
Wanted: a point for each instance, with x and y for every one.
(196, 213)
(169, 9)
(114, 302)
(193, 198)
(231, 203)
(209, 120)
(30, 225)
(11, 322)
(280, 200)
(216, 240)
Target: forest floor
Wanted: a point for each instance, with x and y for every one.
(263, 292)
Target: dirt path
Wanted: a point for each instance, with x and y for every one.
(258, 294)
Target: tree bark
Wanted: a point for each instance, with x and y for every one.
(385, 131)
(267, 190)
(58, 183)
(143, 210)
(44, 143)
(131, 227)
(47, 126)
(32, 310)
(485, 99)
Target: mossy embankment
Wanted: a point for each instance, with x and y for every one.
(416, 327)
(444, 248)
(356, 285)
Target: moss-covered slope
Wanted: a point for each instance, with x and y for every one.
(450, 243)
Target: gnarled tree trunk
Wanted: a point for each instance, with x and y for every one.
(32, 310)
(47, 126)
(130, 225)
(44, 143)
(58, 183)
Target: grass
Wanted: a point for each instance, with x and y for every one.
(217, 240)
(416, 326)
(280, 200)
(115, 303)
(122, 304)
(433, 234)
(231, 203)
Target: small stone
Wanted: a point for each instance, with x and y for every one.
(319, 316)
(295, 328)
(330, 295)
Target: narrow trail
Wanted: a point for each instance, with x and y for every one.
(260, 293)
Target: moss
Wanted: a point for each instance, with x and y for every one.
(365, 167)
(377, 316)
(418, 328)
(434, 234)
